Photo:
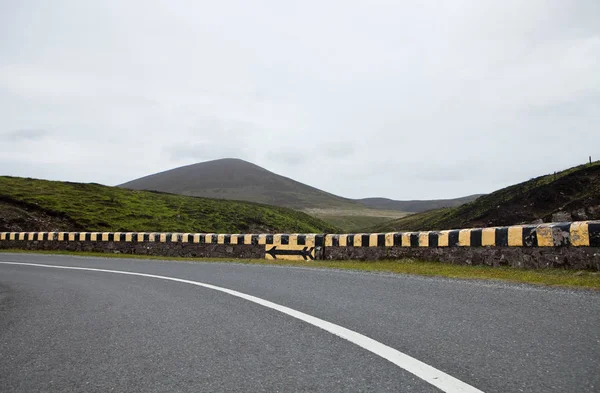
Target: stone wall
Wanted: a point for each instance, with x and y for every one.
(143, 248)
(581, 258)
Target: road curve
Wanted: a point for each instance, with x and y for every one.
(79, 330)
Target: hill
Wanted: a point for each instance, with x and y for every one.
(41, 205)
(573, 194)
(415, 206)
(236, 179)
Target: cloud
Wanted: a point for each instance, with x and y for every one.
(24, 135)
(398, 99)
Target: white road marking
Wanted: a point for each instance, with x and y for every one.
(435, 377)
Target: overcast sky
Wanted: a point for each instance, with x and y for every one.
(400, 99)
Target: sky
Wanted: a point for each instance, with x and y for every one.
(398, 99)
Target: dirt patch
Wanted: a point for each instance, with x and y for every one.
(18, 216)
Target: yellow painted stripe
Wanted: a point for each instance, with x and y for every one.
(3, 236)
(515, 236)
(82, 236)
(221, 239)
(423, 239)
(328, 240)
(544, 236)
(580, 235)
(276, 239)
(373, 239)
(196, 238)
(464, 237)
(310, 240)
(262, 239)
(184, 238)
(389, 239)
(13, 236)
(293, 239)
(128, 237)
(248, 239)
(358, 240)
(343, 240)
(71, 237)
(406, 239)
(234, 239)
(162, 238)
(61, 236)
(488, 237)
(174, 237)
(443, 238)
(103, 237)
(117, 236)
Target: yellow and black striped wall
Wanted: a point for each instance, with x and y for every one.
(309, 246)
(578, 234)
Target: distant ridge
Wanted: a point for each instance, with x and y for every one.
(415, 206)
(236, 179)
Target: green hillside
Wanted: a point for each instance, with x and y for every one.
(30, 205)
(574, 193)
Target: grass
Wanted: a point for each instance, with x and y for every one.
(545, 277)
(525, 202)
(95, 207)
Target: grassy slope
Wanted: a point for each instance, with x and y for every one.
(525, 202)
(101, 208)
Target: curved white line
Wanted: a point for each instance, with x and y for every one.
(435, 377)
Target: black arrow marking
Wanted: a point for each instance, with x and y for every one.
(305, 253)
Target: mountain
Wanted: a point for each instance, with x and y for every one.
(415, 206)
(573, 194)
(239, 180)
(42, 205)
(236, 179)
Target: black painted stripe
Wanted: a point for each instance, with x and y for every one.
(398, 239)
(227, 239)
(319, 240)
(88, 237)
(476, 235)
(350, 241)
(254, 239)
(301, 240)
(335, 240)
(381, 240)
(594, 234)
(269, 239)
(530, 236)
(414, 239)
(453, 238)
(434, 239)
(285, 239)
(501, 237)
(240, 239)
(365, 240)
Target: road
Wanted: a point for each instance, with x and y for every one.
(64, 330)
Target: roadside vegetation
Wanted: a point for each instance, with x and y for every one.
(543, 277)
(574, 192)
(31, 205)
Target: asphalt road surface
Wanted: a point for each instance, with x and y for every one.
(64, 330)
